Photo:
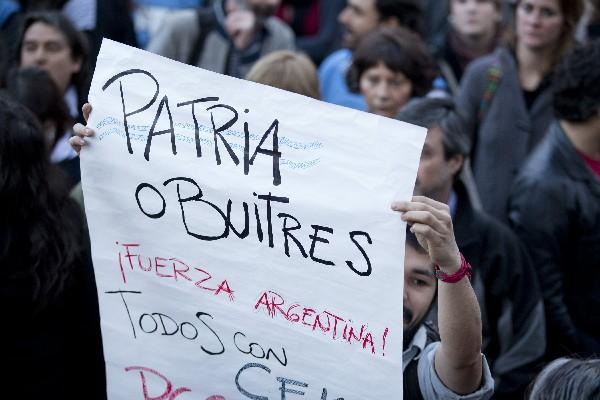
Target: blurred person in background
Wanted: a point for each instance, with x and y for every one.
(96, 19)
(228, 37)
(47, 288)
(474, 31)
(568, 379)
(507, 99)
(287, 70)
(504, 279)
(593, 23)
(555, 208)
(34, 88)
(315, 25)
(389, 67)
(149, 15)
(48, 40)
(359, 18)
(589, 25)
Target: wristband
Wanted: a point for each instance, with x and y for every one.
(465, 269)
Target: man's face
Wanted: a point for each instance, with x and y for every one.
(359, 17)
(46, 47)
(435, 174)
(419, 287)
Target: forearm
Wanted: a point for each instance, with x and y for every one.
(458, 360)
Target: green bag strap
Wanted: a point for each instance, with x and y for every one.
(492, 81)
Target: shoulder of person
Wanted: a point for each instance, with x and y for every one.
(182, 21)
(335, 60)
(176, 34)
(544, 165)
(481, 66)
(540, 193)
(277, 27)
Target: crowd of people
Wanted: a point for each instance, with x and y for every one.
(502, 269)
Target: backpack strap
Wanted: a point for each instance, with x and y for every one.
(492, 81)
(207, 22)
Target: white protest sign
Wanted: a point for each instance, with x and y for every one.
(242, 236)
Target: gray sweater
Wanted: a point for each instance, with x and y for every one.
(181, 30)
(506, 132)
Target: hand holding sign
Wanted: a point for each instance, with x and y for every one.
(81, 131)
(224, 260)
(431, 222)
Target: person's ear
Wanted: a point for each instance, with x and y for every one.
(77, 64)
(455, 163)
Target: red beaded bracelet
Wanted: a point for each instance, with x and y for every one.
(465, 269)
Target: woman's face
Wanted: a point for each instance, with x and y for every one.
(539, 23)
(385, 91)
(46, 47)
(475, 18)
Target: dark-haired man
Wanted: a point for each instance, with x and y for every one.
(503, 278)
(449, 366)
(555, 208)
(360, 17)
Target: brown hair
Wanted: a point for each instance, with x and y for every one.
(572, 10)
(287, 70)
(401, 51)
(34, 88)
(78, 43)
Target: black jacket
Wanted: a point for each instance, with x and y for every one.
(555, 209)
(509, 296)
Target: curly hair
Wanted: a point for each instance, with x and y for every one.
(34, 88)
(401, 51)
(41, 234)
(575, 84)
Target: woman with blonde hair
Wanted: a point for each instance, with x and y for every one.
(287, 70)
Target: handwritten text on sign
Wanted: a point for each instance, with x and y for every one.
(242, 238)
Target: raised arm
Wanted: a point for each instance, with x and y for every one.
(458, 360)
